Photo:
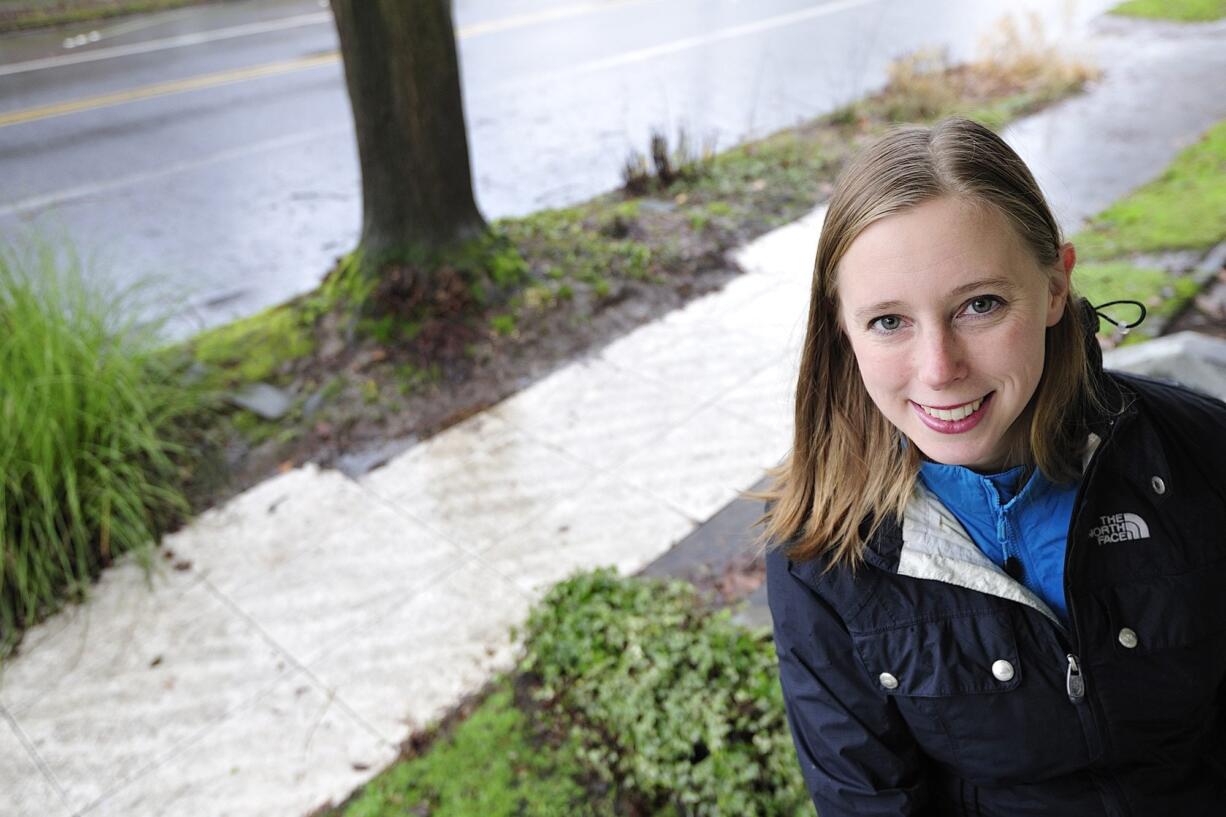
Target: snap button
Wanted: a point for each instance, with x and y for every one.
(1158, 485)
(1128, 637)
(1003, 670)
(888, 681)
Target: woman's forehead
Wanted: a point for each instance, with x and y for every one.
(946, 243)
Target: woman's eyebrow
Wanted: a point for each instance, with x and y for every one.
(1002, 284)
(985, 283)
(876, 309)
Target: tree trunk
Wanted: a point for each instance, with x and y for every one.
(404, 87)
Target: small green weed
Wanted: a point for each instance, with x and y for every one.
(503, 324)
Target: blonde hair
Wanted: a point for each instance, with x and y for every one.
(848, 471)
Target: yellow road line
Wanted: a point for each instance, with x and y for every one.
(272, 69)
(166, 88)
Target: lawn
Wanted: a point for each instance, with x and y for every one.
(1184, 11)
(1120, 251)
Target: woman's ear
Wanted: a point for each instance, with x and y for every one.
(1059, 284)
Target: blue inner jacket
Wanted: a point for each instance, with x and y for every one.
(1028, 525)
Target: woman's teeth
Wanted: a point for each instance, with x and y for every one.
(959, 413)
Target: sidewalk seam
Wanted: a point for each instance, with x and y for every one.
(33, 754)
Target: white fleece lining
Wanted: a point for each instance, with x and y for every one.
(936, 546)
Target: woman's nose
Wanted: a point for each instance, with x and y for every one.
(942, 361)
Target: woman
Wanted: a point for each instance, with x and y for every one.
(1001, 587)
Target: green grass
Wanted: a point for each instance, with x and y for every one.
(1184, 208)
(90, 412)
(1184, 11)
(493, 765)
(18, 15)
(1163, 293)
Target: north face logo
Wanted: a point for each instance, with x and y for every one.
(1120, 527)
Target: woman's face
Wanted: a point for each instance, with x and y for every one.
(946, 312)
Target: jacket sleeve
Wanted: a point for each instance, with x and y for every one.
(857, 755)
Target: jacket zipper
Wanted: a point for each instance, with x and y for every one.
(1073, 682)
(1074, 636)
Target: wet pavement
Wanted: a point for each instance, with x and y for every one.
(1164, 84)
(240, 195)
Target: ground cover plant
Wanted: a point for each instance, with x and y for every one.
(91, 433)
(541, 289)
(1148, 245)
(631, 698)
(1184, 11)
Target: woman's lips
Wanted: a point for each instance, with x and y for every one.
(953, 426)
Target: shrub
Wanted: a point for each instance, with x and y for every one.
(88, 408)
(668, 701)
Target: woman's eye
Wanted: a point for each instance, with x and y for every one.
(886, 323)
(983, 305)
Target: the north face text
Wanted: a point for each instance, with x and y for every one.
(1120, 527)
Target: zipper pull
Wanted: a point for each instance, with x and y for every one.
(1073, 681)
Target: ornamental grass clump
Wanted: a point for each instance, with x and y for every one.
(89, 411)
(675, 707)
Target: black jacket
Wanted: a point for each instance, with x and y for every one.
(932, 683)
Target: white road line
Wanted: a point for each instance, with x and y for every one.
(547, 16)
(139, 22)
(150, 46)
(86, 190)
(314, 18)
(686, 43)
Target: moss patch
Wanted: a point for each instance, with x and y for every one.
(1184, 11)
(254, 348)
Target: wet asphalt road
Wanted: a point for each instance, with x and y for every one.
(240, 193)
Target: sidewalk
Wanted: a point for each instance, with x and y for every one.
(299, 633)
(321, 620)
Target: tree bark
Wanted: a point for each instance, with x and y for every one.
(404, 87)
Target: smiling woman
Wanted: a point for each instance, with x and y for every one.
(954, 636)
(953, 361)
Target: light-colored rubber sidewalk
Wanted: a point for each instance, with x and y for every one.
(300, 632)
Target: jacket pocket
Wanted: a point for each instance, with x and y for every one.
(1167, 612)
(974, 699)
(959, 655)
